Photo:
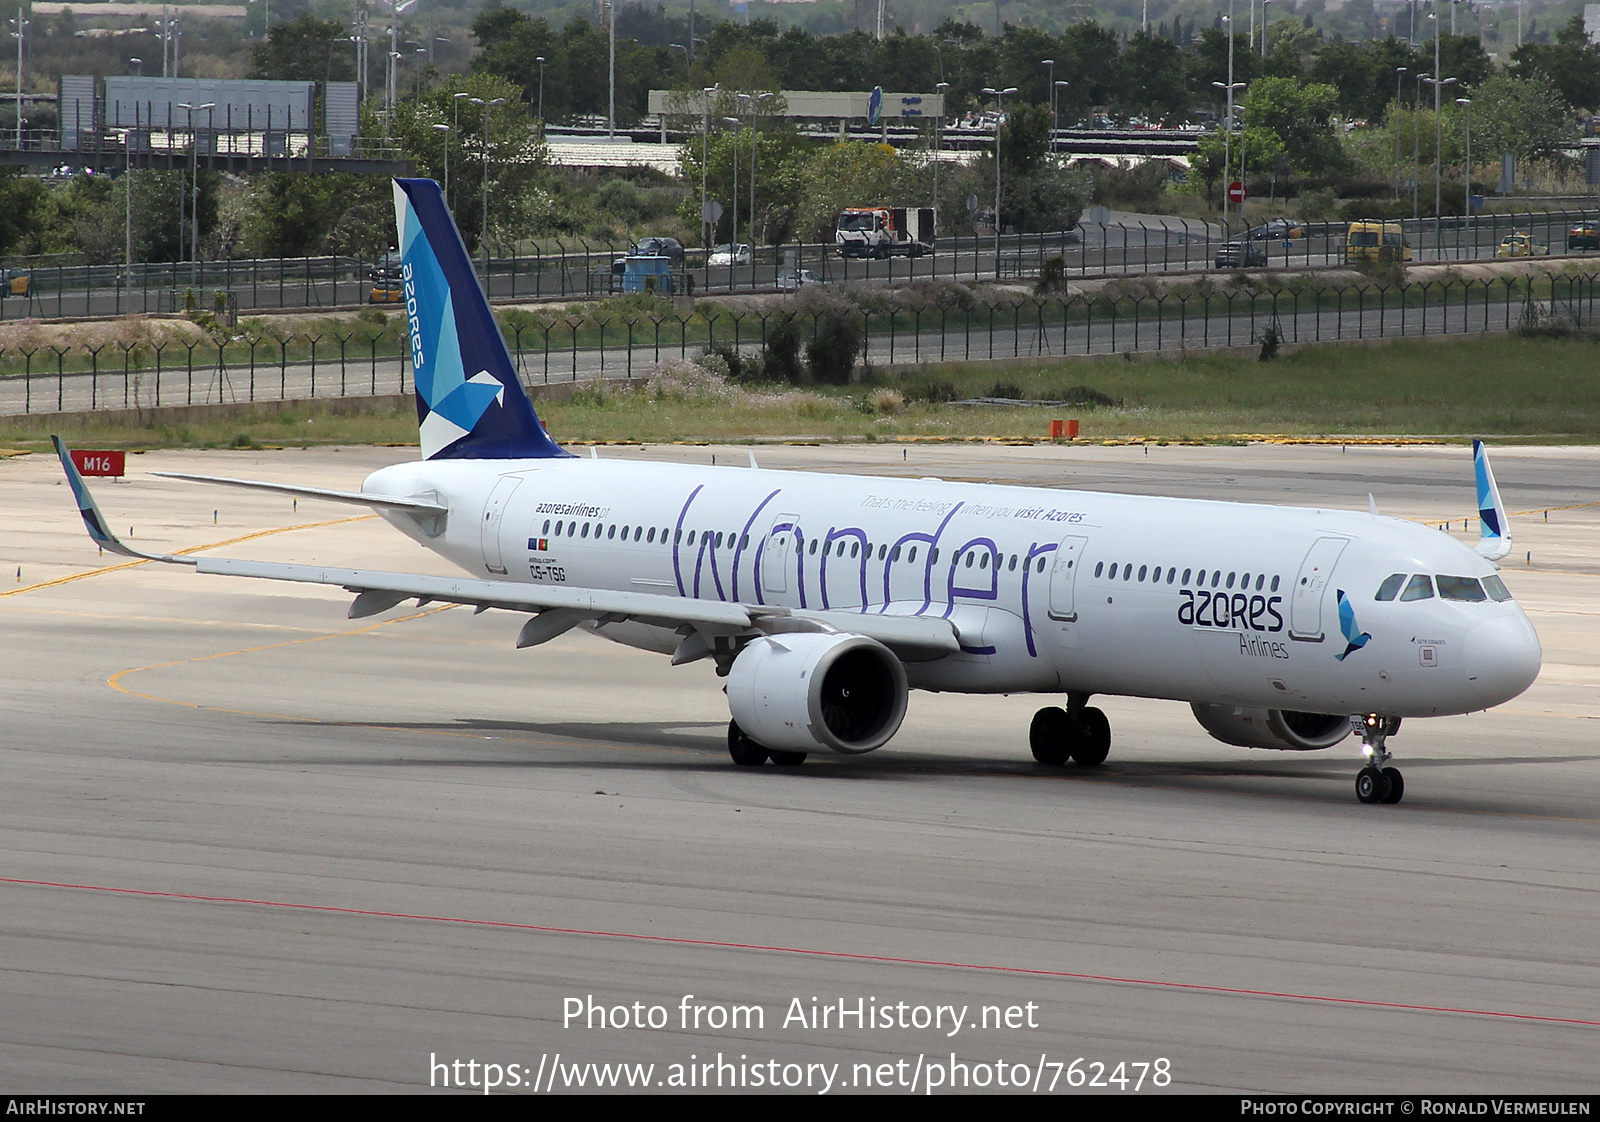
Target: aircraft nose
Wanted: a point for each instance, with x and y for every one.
(1502, 658)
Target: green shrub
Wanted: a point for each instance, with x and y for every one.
(834, 347)
(780, 357)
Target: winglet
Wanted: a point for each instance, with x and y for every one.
(1494, 527)
(94, 521)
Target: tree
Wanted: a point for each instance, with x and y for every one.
(304, 50)
(1301, 117)
(1152, 78)
(499, 140)
(298, 215)
(851, 173)
(1571, 64)
(1525, 116)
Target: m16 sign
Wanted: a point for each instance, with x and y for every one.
(99, 463)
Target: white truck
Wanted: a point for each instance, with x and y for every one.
(880, 231)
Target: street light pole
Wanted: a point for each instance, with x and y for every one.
(1416, 144)
(1227, 136)
(484, 236)
(1054, 122)
(1438, 142)
(938, 140)
(755, 132)
(194, 181)
(734, 121)
(1466, 172)
(19, 35)
(999, 124)
(540, 61)
(1399, 77)
(706, 229)
(611, 86)
(447, 137)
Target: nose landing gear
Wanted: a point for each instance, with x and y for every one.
(1377, 782)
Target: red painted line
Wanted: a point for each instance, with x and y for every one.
(810, 952)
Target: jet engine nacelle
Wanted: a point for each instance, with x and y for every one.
(800, 692)
(1271, 728)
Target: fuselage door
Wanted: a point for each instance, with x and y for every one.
(1063, 579)
(494, 511)
(1305, 603)
(775, 554)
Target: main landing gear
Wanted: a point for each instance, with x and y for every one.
(747, 753)
(1078, 731)
(1378, 783)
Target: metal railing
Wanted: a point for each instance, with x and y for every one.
(366, 360)
(64, 288)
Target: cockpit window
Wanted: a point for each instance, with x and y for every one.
(1390, 588)
(1420, 587)
(1496, 588)
(1461, 588)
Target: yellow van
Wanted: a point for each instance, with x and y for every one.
(1375, 241)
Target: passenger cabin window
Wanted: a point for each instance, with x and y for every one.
(1461, 588)
(1390, 588)
(1418, 588)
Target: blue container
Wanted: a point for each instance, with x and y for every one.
(647, 274)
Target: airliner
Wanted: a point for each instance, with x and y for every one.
(824, 599)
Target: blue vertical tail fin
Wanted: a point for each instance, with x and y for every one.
(469, 402)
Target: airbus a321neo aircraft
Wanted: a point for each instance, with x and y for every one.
(823, 599)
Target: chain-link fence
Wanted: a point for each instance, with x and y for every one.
(951, 325)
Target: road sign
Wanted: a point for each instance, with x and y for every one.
(1237, 192)
(99, 463)
(712, 211)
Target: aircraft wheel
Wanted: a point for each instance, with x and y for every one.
(1093, 743)
(1397, 785)
(1050, 736)
(787, 759)
(1371, 785)
(745, 752)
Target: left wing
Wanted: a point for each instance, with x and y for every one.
(557, 608)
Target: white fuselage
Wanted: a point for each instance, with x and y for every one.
(1049, 590)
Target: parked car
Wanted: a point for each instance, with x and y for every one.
(1584, 237)
(730, 254)
(669, 248)
(1277, 230)
(385, 269)
(386, 279)
(1241, 255)
(1522, 244)
(791, 279)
